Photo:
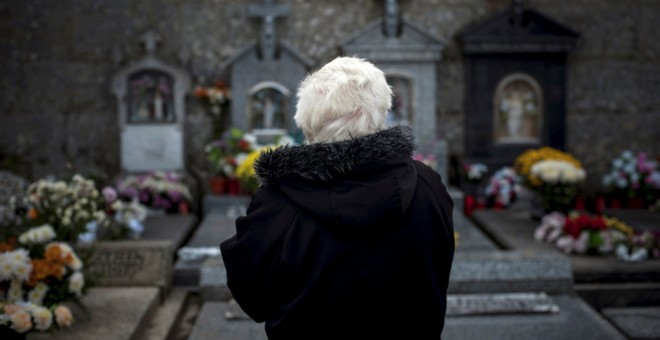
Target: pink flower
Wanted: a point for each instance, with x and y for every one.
(11, 309)
(20, 321)
(63, 316)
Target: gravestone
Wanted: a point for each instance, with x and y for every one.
(408, 57)
(264, 78)
(130, 263)
(151, 109)
(515, 76)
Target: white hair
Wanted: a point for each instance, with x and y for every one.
(348, 97)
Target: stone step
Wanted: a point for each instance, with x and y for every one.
(111, 313)
(636, 322)
(212, 324)
(163, 321)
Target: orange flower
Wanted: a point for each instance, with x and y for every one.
(33, 213)
(39, 272)
(200, 92)
(8, 246)
(53, 254)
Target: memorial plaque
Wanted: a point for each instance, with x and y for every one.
(510, 303)
(130, 263)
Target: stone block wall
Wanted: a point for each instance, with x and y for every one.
(58, 115)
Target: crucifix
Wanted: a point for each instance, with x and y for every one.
(518, 10)
(268, 12)
(391, 18)
(150, 41)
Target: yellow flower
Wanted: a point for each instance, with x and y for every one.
(523, 163)
(245, 171)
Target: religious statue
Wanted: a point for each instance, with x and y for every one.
(517, 109)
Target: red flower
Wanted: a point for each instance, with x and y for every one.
(244, 145)
(200, 92)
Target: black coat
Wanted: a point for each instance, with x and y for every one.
(345, 240)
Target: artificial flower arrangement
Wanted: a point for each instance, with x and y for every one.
(474, 172)
(158, 190)
(634, 177)
(554, 174)
(582, 233)
(217, 99)
(503, 187)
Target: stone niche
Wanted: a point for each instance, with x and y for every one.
(264, 78)
(408, 56)
(151, 109)
(515, 76)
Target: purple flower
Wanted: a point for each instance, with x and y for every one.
(109, 194)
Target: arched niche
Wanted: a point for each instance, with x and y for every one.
(268, 106)
(517, 110)
(403, 110)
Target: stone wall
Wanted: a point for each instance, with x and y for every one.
(58, 115)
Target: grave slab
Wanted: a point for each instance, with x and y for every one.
(115, 313)
(502, 271)
(576, 320)
(226, 204)
(205, 242)
(636, 322)
(174, 228)
(514, 230)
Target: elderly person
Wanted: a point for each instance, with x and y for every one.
(348, 237)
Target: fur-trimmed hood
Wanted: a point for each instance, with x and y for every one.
(354, 185)
(326, 161)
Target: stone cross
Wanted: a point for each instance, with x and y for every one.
(268, 12)
(518, 10)
(150, 41)
(391, 18)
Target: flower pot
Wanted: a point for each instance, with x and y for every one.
(218, 185)
(233, 187)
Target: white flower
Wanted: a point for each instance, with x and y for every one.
(37, 294)
(43, 318)
(76, 283)
(15, 292)
(565, 243)
(37, 235)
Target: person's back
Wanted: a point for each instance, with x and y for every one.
(348, 237)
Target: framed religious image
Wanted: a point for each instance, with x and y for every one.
(268, 106)
(518, 110)
(401, 112)
(150, 97)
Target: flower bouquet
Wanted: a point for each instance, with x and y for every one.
(38, 273)
(471, 177)
(159, 191)
(503, 187)
(224, 156)
(245, 170)
(634, 177)
(581, 233)
(553, 174)
(217, 99)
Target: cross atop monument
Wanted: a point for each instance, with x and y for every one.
(518, 10)
(391, 18)
(269, 11)
(150, 41)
